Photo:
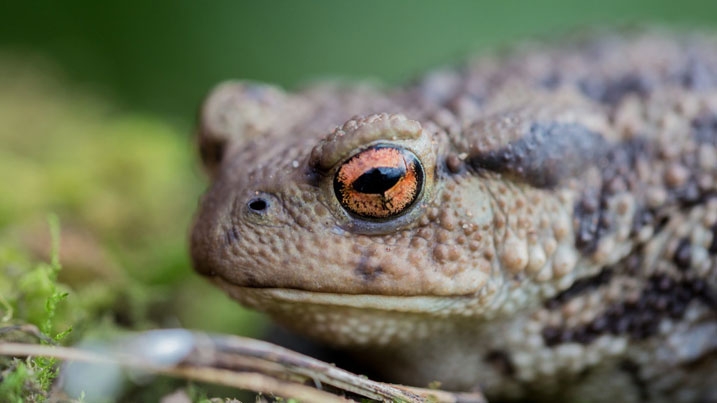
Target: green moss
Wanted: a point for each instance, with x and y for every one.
(38, 296)
(46, 368)
(12, 388)
(21, 383)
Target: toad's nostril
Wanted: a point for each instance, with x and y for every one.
(258, 205)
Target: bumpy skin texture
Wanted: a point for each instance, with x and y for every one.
(563, 244)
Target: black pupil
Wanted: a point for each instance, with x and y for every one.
(258, 204)
(378, 180)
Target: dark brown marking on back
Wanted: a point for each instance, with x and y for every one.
(663, 297)
(683, 254)
(545, 155)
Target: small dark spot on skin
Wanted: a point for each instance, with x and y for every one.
(566, 336)
(501, 361)
(583, 335)
(661, 223)
(615, 185)
(232, 235)
(367, 272)
(250, 280)
(683, 254)
(454, 163)
(633, 262)
(551, 81)
(619, 324)
(707, 295)
(698, 76)
(611, 92)
(618, 174)
(599, 325)
(713, 245)
(551, 336)
(579, 287)
(604, 221)
(704, 128)
(689, 195)
(588, 214)
(664, 284)
(590, 204)
(313, 177)
(641, 219)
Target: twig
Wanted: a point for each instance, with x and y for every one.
(246, 364)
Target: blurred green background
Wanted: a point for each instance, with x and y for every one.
(97, 106)
(162, 56)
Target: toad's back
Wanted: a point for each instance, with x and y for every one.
(542, 223)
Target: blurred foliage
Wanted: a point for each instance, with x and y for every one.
(123, 184)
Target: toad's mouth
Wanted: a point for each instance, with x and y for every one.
(261, 297)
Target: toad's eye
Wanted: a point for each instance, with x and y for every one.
(379, 183)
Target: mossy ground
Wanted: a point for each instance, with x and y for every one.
(95, 207)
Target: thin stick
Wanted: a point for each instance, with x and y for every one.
(249, 364)
(248, 381)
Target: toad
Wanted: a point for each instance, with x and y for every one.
(540, 224)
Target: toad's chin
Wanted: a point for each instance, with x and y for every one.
(362, 320)
(267, 299)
